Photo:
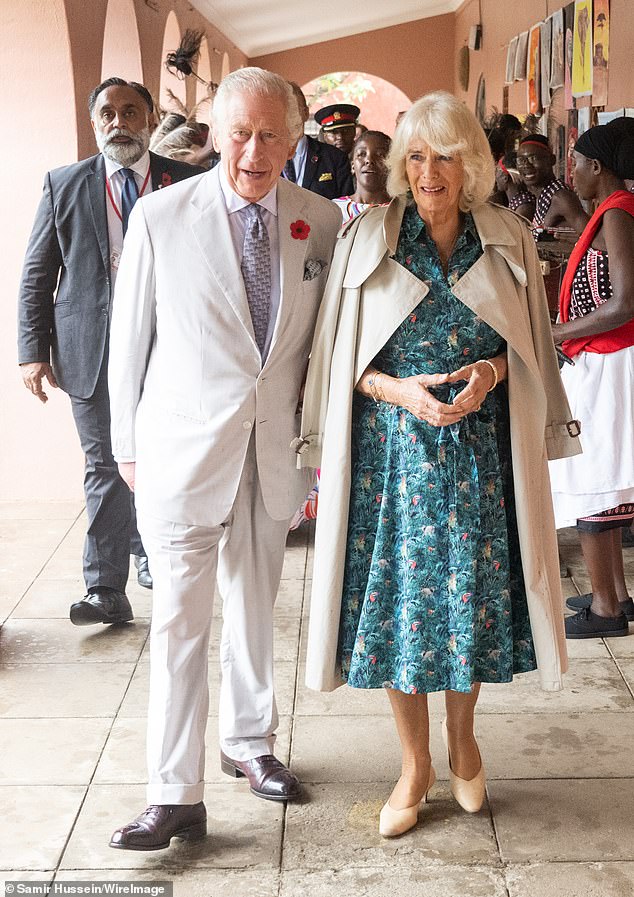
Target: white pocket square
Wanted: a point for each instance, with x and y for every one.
(313, 268)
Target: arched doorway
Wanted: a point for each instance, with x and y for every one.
(121, 50)
(171, 40)
(379, 101)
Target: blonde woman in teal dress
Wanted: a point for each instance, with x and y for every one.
(432, 587)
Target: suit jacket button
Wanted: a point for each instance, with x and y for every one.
(246, 425)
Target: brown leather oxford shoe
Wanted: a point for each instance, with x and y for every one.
(156, 826)
(267, 777)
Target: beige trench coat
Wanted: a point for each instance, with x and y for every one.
(367, 296)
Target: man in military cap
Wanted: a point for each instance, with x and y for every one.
(316, 166)
(338, 122)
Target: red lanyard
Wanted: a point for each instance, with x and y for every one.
(111, 197)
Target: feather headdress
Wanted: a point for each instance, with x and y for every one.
(182, 61)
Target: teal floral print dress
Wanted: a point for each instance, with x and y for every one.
(433, 595)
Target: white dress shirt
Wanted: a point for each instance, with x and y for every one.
(238, 223)
(116, 180)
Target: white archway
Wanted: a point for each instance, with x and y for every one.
(226, 66)
(203, 70)
(121, 55)
(171, 40)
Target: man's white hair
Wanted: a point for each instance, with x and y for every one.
(262, 83)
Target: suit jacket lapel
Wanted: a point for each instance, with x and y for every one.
(211, 231)
(312, 160)
(96, 183)
(160, 174)
(290, 206)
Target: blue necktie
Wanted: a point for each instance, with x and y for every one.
(256, 272)
(129, 195)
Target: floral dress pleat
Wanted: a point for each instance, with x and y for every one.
(433, 595)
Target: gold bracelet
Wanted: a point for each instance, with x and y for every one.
(372, 387)
(493, 368)
(379, 385)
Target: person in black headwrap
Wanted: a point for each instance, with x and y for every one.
(596, 490)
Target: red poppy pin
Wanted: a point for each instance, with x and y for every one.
(166, 179)
(299, 230)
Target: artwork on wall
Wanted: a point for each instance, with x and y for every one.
(601, 52)
(557, 50)
(480, 105)
(534, 71)
(520, 56)
(582, 50)
(510, 61)
(584, 118)
(572, 139)
(544, 55)
(569, 24)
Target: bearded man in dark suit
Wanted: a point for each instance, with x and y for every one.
(316, 166)
(65, 297)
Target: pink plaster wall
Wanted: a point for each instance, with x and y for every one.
(39, 454)
(416, 57)
(502, 20)
(51, 55)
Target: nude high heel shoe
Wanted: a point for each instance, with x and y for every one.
(468, 793)
(396, 822)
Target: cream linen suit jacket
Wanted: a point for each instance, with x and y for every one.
(187, 384)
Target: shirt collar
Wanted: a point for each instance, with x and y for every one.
(235, 203)
(141, 166)
(300, 149)
(415, 230)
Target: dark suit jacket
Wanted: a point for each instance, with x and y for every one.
(65, 291)
(327, 171)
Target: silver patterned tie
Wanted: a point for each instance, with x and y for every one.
(256, 272)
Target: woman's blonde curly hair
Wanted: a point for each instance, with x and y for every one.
(446, 125)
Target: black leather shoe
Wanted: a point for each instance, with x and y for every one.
(587, 624)
(581, 602)
(101, 606)
(156, 826)
(267, 777)
(144, 577)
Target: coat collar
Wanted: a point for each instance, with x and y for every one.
(212, 233)
(498, 271)
(374, 243)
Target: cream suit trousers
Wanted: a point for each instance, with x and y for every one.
(245, 554)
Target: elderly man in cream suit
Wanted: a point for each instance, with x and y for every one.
(217, 295)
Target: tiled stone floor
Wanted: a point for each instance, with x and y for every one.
(558, 822)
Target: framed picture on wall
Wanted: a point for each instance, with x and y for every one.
(601, 52)
(569, 24)
(557, 50)
(520, 56)
(544, 58)
(582, 49)
(533, 76)
(510, 61)
(480, 104)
